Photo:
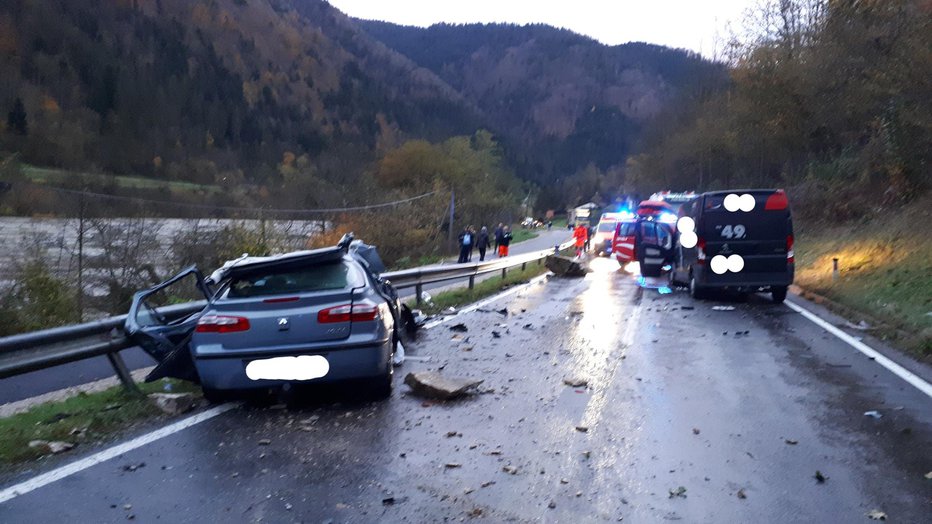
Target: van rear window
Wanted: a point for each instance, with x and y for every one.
(320, 277)
(719, 224)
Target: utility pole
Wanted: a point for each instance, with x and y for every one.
(452, 208)
(80, 297)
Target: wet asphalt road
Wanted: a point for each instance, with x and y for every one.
(675, 399)
(36, 383)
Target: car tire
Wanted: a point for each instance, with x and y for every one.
(695, 290)
(778, 294)
(671, 277)
(651, 271)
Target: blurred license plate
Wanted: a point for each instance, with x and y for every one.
(303, 367)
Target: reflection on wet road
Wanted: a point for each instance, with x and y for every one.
(739, 408)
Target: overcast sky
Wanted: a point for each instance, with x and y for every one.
(699, 25)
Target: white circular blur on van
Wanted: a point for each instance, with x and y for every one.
(732, 202)
(686, 224)
(719, 264)
(688, 239)
(735, 263)
(746, 202)
(304, 367)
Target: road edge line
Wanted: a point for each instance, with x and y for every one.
(898, 370)
(102, 456)
(476, 305)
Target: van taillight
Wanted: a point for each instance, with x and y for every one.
(348, 313)
(777, 201)
(789, 250)
(700, 251)
(221, 324)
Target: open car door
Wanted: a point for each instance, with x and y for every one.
(163, 330)
(654, 246)
(624, 241)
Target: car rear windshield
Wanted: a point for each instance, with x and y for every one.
(606, 227)
(321, 277)
(718, 223)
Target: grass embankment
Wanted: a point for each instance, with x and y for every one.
(488, 287)
(51, 176)
(83, 418)
(885, 270)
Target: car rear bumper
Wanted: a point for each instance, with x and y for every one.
(357, 362)
(706, 278)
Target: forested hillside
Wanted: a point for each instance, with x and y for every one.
(224, 90)
(296, 99)
(561, 101)
(829, 98)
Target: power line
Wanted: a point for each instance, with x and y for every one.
(233, 208)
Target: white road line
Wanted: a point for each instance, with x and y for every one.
(489, 300)
(892, 366)
(70, 469)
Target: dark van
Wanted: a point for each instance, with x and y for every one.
(743, 240)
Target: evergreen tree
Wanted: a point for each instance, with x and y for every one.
(16, 119)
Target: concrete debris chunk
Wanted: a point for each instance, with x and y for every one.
(55, 447)
(565, 266)
(433, 385)
(576, 382)
(877, 515)
(173, 403)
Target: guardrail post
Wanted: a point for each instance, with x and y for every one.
(418, 289)
(504, 271)
(472, 281)
(523, 266)
(123, 372)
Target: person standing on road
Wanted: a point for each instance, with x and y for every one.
(505, 242)
(482, 242)
(581, 235)
(466, 242)
(498, 237)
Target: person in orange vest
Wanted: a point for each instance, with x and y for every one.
(581, 234)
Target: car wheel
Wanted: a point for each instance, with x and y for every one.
(778, 293)
(650, 271)
(695, 290)
(671, 277)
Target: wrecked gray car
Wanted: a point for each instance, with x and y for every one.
(321, 315)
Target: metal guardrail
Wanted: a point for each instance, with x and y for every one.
(44, 349)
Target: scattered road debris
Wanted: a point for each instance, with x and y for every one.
(696, 431)
(820, 478)
(582, 429)
(496, 334)
(576, 382)
(929, 475)
(678, 492)
(265, 442)
(741, 494)
(565, 266)
(54, 447)
(459, 327)
(872, 414)
(173, 403)
(433, 385)
(452, 465)
(877, 515)
(134, 467)
(723, 308)
(791, 442)
(511, 470)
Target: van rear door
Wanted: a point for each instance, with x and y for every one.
(762, 236)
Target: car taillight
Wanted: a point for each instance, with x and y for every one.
(789, 250)
(221, 324)
(777, 201)
(700, 251)
(361, 312)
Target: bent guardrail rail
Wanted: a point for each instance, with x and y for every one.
(48, 348)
